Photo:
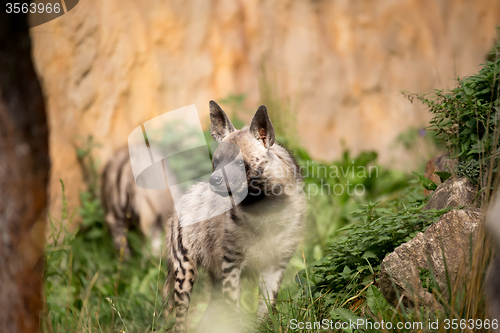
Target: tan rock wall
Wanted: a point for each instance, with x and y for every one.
(107, 66)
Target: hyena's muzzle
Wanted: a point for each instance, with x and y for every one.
(229, 176)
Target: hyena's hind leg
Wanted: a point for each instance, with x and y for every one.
(168, 291)
(118, 231)
(185, 274)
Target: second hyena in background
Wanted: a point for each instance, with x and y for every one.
(257, 237)
(128, 206)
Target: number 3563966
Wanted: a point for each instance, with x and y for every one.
(32, 8)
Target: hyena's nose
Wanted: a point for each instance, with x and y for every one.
(215, 180)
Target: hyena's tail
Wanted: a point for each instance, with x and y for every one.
(168, 289)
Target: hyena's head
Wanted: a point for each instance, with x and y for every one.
(241, 159)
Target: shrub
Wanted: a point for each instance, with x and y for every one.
(87, 288)
(353, 260)
(466, 118)
(328, 211)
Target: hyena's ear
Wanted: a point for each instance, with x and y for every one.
(220, 126)
(261, 127)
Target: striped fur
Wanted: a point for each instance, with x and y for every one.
(256, 238)
(128, 206)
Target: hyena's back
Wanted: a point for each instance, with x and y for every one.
(128, 206)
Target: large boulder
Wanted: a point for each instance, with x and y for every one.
(451, 237)
(454, 192)
(439, 163)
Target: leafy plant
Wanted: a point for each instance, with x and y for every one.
(336, 188)
(353, 260)
(426, 182)
(86, 287)
(466, 119)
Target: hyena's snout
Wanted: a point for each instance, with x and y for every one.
(227, 181)
(218, 185)
(216, 180)
(229, 176)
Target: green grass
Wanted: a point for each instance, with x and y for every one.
(88, 288)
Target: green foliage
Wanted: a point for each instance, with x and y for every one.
(443, 175)
(337, 188)
(291, 305)
(377, 311)
(425, 278)
(466, 119)
(82, 271)
(353, 260)
(426, 182)
(359, 171)
(470, 169)
(376, 302)
(87, 288)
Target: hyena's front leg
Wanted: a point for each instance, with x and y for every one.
(214, 310)
(269, 284)
(231, 272)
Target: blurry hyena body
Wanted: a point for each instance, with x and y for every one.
(128, 206)
(255, 238)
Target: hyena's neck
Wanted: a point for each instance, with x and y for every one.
(263, 204)
(274, 182)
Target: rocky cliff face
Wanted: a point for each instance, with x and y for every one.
(107, 66)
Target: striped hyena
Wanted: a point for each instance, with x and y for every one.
(258, 236)
(128, 206)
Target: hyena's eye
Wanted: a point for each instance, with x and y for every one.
(215, 161)
(240, 163)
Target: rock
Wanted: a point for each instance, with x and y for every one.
(402, 265)
(439, 163)
(454, 192)
(450, 235)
